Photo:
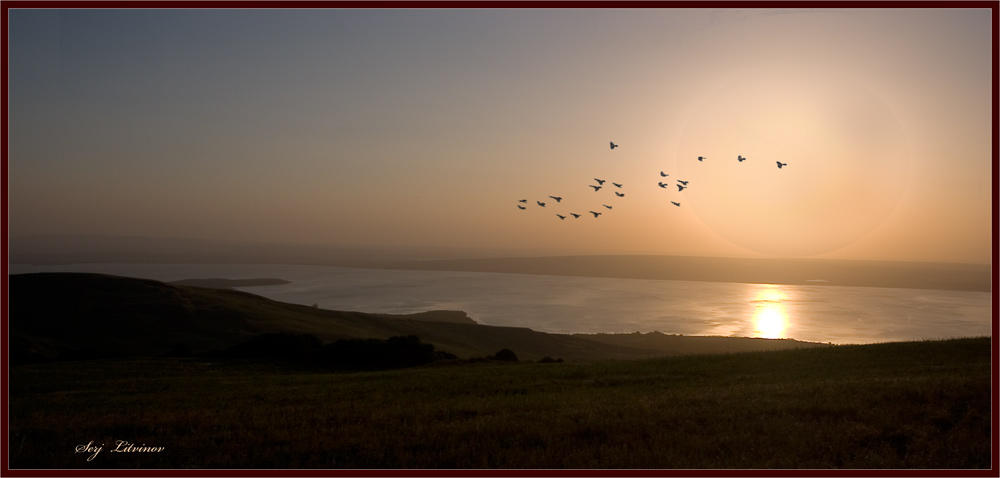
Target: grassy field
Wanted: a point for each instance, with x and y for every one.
(899, 405)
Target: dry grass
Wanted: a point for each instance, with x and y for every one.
(905, 405)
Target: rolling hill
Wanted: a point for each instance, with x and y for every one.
(80, 315)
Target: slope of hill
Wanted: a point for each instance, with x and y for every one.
(67, 315)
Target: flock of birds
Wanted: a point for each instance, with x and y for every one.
(681, 186)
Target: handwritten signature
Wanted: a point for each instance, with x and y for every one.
(121, 446)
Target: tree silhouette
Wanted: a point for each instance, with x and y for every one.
(506, 355)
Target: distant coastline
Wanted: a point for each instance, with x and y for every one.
(216, 283)
(52, 250)
(812, 272)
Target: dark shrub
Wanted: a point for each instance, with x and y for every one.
(356, 353)
(442, 355)
(408, 351)
(281, 345)
(506, 355)
(547, 359)
(373, 354)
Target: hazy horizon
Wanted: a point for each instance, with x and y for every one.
(410, 128)
(78, 246)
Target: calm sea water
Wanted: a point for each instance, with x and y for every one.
(592, 305)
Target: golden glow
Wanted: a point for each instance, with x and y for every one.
(827, 129)
(770, 317)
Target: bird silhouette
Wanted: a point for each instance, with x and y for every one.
(605, 205)
(675, 203)
(700, 158)
(595, 213)
(540, 203)
(617, 185)
(680, 188)
(596, 188)
(740, 158)
(522, 200)
(600, 181)
(662, 184)
(780, 164)
(575, 215)
(561, 217)
(683, 182)
(663, 174)
(613, 145)
(619, 194)
(521, 207)
(556, 198)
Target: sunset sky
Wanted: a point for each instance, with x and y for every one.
(425, 127)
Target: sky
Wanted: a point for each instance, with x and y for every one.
(414, 127)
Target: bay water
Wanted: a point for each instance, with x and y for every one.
(562, 304)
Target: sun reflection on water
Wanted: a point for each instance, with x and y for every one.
(770, 319)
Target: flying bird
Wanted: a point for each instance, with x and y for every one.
(662, 184)
(617, 185)
(521, 207)
(600, 181)
(621, 195)
(680, 188)
(740, 158)
(596, 188)
(675, 203)
(522, 200)
(700, 158)
(556, 198)
(613, 145)
(683, 182)
(663, 174)
(780, 164)
(540, 203)
(595, 213)
(605, 205)
(561, 217)
(575, 215)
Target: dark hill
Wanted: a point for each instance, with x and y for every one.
(77, 315)
(100, 315)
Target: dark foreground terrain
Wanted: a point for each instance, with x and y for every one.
(114, 372)
(899, 405)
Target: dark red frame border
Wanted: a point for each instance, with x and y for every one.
(485, 4)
